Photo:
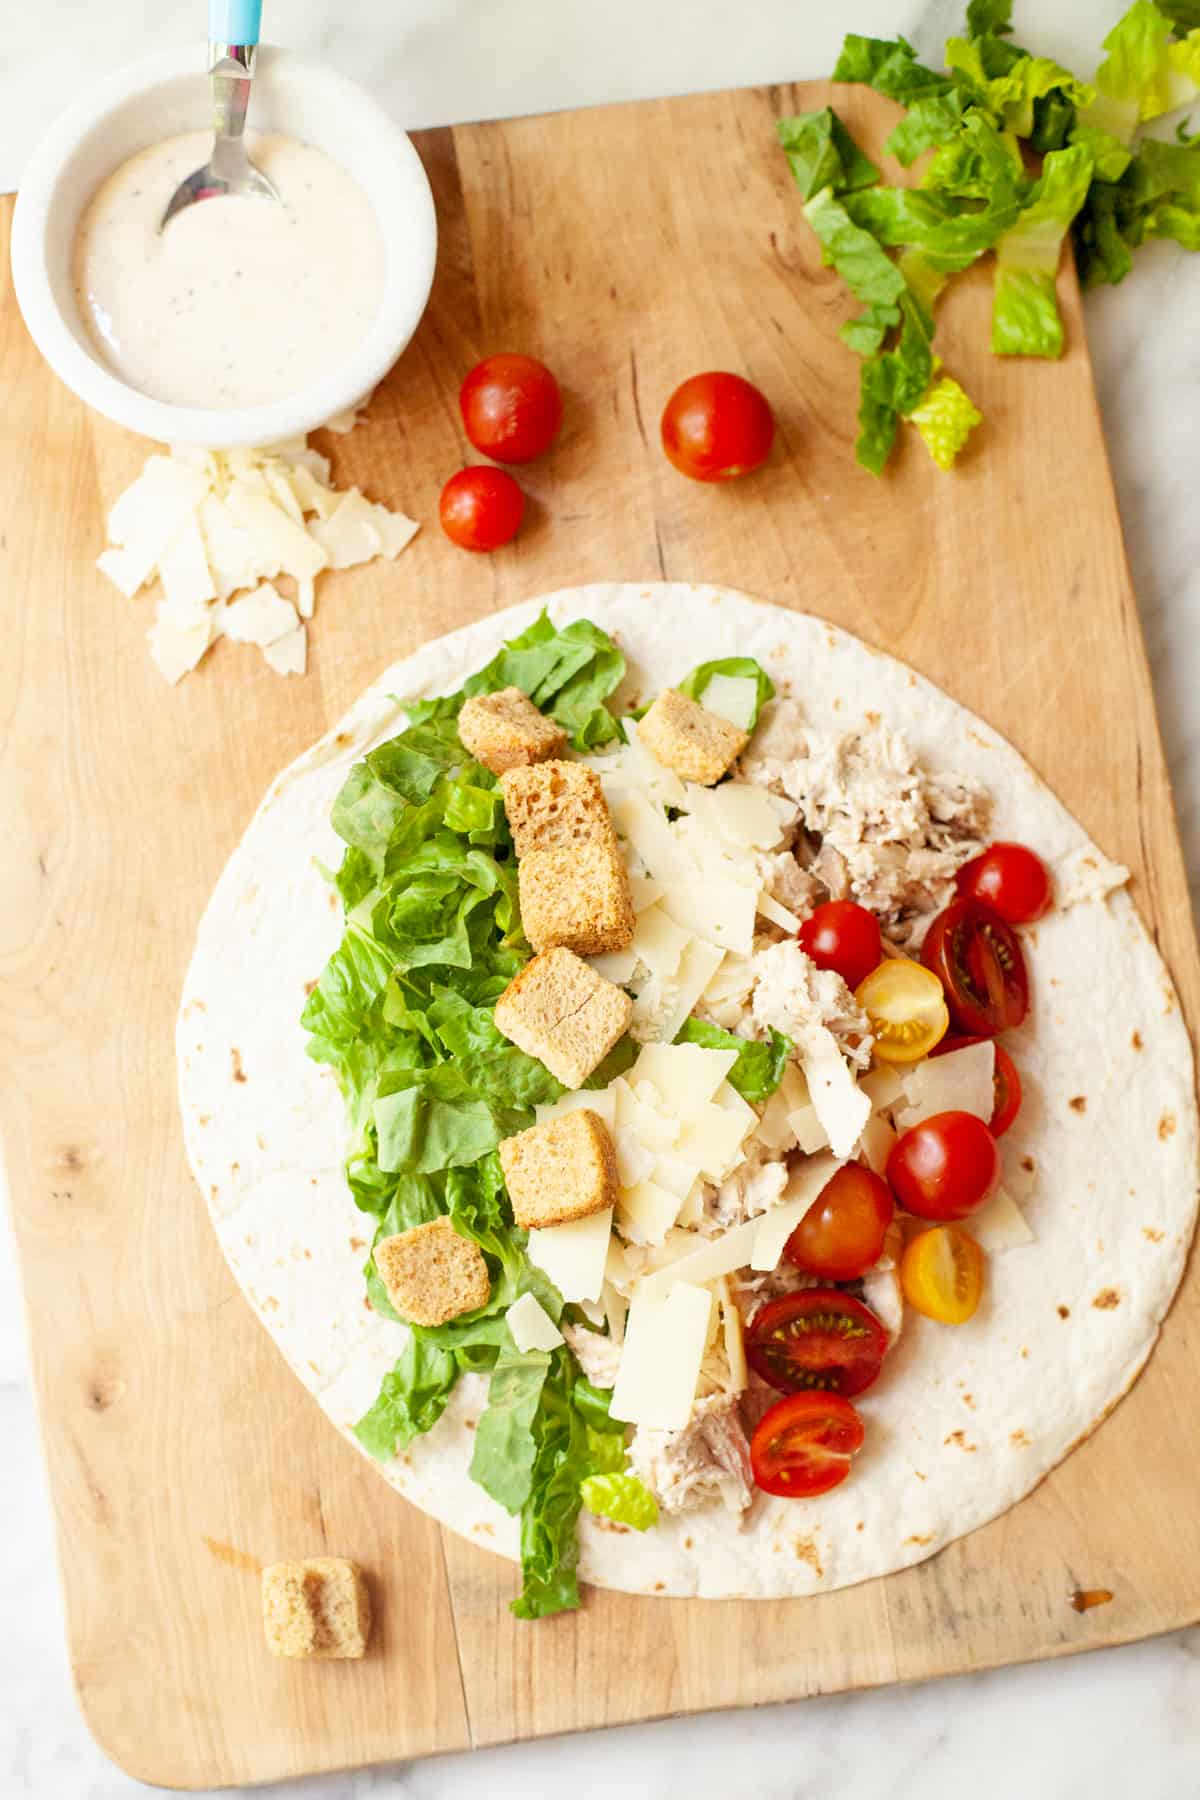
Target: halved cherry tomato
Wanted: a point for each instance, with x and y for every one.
(976, 957)
(1006, 1083)
(803, 1445)
(944, 1167)
(716, 426)
(841, 1235)
(511, 407)
(1009, 878)
(844, 936)
(819, 1338)
(481, 508)
(941, 1274)
(907, 1010)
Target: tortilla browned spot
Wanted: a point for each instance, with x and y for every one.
(806, 1550)
(1017, 1437)
(917, 1539)
(1136, 1040)
(1156, 1237)
(239, 1074)
(1064, 1312)
(1079, 1103)
(1106, 1299)
(1166, 1126)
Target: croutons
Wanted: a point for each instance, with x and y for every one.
(564, 1013)
(697, 744)
(578, 897)
(505, 730)
(431, 1273)
(554, 805)
(559, 1171)
(319, 1607)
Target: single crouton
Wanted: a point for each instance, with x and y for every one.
(319, 1607)
(559, 1171)
(505, 730)
(562, 1012)
(431, 1273)
(697, 744)
(578, 897)
(554, 805)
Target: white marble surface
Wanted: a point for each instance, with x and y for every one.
(1105, 1725)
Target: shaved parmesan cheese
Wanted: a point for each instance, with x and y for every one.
(735, 1349)
(645, 770)
(777, 1225)
(531, 1326)
(210, 524)
(807, 1129)
(601, 1101)
(616, 1307)
(646, 1212)
(653, 1129)
(288, 655)
(685, 1076)
(960, 1081)
(573, 1255)
(260, 618)
(882, 1086)
(616, 966)
(720, 912)
(679, 1178)
(728, 1097)
(660, 1361)
(658, 942)
(644, 892)
(712, 1138)
(1000, 1225)
(740, 812)
(645, 826)
(711, 1258)
(635, 1162)
(842, 1107)
(697, 966)
(790, 1096)
(732, 697)
(770, 908)
(876, 1142)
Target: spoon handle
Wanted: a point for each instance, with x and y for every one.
(234, 21)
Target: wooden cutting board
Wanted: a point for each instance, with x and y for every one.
(629, 246)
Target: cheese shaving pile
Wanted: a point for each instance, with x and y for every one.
(213, 524)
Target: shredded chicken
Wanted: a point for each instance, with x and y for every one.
(756, 1183)
(880, 830)
(787, 882)
(598, 1356)
(706, 1461)
(793, 995)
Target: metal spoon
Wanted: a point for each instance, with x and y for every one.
(233, 28)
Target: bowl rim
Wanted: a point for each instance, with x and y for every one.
(211, 428)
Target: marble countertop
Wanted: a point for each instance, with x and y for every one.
(1105, 1724)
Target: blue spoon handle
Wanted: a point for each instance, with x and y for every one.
(234, 21)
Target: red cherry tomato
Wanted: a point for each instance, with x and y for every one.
(819, 1338)
(511, 407)
(841, 1235)
(480, 508)
(716, 426)
(1009, 878)
(976, 957)
(844, 936)
(944, 1167)
(803, 1445)
(1006, 1082)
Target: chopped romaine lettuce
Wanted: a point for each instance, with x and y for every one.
(822, 154)
(945, 420)
(759, 1068)
(620, 1497)
(1025, 316)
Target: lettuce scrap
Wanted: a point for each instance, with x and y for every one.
(738, 668)
(403, 1013)
(621, 1497)
(759, 1068)
(1025, 316)
(945, 420)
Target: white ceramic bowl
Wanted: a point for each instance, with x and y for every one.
(156, 98)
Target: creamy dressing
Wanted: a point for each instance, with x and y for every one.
(239, 301)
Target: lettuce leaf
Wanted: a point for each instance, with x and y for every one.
(1137, 69)
(504, 1450)
(893, 383)
(759, 1068)
(822, 154)
(620, 1497)
(411, 1399)
(926, 124)
(945, 420)
(1025, 316)
(863, 265)
(740, 668)
(890, 66)
(989, 18)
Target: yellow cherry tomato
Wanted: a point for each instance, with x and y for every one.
(941, 1274)
(907, 1010)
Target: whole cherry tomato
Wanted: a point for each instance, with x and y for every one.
(511, 407)
(481, 508)
(844, 936)
(841, 1235)
(1009, 878)
(716, 426)
(945, 1167)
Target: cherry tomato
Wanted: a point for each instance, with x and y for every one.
(944, 1167)
(843, 936)
(803, 1445)
(480, 508)
(841, 1235)
(907, 1010)
(819, 1338)
(1010, 879)
(1006, 1083)
(941, 1274)
(716, 426)
(976, 957)
(511, 407)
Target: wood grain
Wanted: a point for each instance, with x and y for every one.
(630, 246)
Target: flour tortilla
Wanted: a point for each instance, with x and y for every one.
(962, 1422)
